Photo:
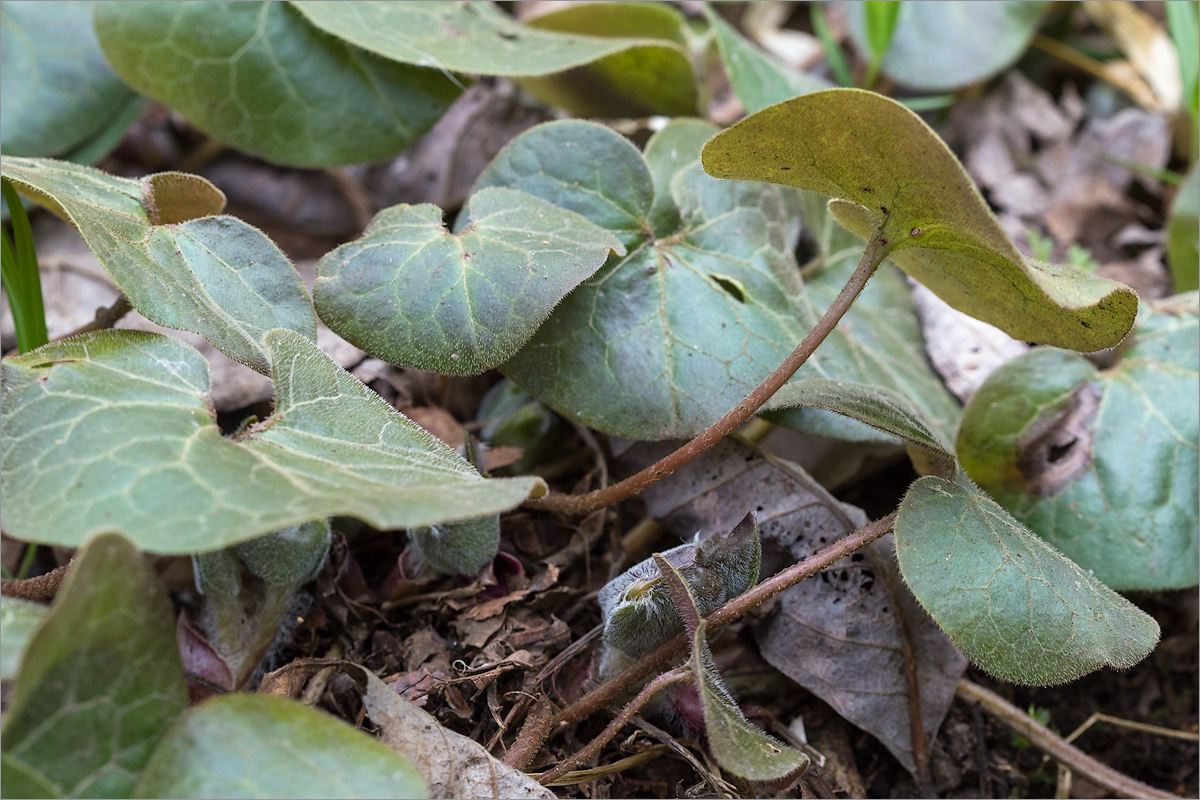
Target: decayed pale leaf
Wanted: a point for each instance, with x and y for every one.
(18, 620)
(757, 79)
(945, 45)
(100, 684)
(258, 745)
(70, 466)
(1015, 605)
(886, 168)
(451, 764)
(58, 91)
(261, 78)
(838, 633)
(1101, 463)
(415, 295)
(177, 264)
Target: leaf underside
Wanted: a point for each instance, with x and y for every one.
(886, 169)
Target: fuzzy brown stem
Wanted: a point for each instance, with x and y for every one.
(649, 690)
(872, 257)
(602, 695)
(1051, 743)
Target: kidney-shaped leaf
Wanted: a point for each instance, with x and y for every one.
(944, 45)
(113, 431)
(258, 76)
(416, 295)
(180, 267)
(887, 169)
(58, 91)
(259, 745)
(1102, 464)
(100, 684)
(1013, 604)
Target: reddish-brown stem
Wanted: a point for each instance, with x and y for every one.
(1051, 743)
(602, 695)
(649, 690)
(872, 257)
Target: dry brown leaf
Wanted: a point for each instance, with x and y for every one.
(451, 764)
(837, 633)
(1146, 45)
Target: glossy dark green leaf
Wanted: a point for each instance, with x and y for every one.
(1101, 463)
(945, 45)
(757, 79)
(416, 295)
(18, 620)
(58, 91)
(179, 265)
(1013, 604)
(101, 681)
(71, 466)
(258, 76)
(257, 745)
(886, 168)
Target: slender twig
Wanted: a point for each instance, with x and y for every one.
(105, 318)
(649, 690)
(602, 695)
(872, 257)
(1044, 739)
(629, 762)
(40, 589)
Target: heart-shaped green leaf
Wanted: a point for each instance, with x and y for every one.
(258, 76)
(113, 431)
(258, 745)
(1013, 604)
(887, 169)
(416, 295)
(944, 45)
(653, 77)
(1101, 463)
(179, 266)
(58, 91)
(18, 620)
(757, 79)
(100, 684)
(708, 301)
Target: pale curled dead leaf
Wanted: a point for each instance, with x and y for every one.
(451, 764)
